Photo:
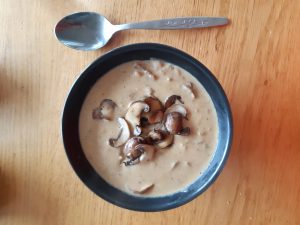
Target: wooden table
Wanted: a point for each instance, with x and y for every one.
(256, 58)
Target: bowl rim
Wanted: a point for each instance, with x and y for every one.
(192, 60)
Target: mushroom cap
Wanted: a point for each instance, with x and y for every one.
(131, 143)
(173, 122)
(135, 153)
(177, 108)
(154, 103)
(171, 100)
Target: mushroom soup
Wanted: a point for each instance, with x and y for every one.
(148, 128)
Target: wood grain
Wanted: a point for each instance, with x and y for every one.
(256, 58)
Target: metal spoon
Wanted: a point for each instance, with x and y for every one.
(91, 31)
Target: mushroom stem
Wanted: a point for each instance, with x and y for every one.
(166, 142)
(133, 116)
(123, 135)
(105, 110)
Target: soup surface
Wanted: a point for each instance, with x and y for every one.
(171, 169)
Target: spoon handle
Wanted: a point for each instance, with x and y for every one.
(177, 23)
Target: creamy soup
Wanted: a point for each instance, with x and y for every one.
(171, 169)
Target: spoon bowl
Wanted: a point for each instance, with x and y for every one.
(84, 31)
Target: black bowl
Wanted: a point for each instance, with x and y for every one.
(70, 128)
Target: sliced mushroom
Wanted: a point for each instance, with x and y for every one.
(160, 138)
(133, 115)
(131, 144)
(174, 124)
(148, 152)
(166, 142)
(133, 156)
(105, 110)
(135, 153)
(123, 135)
(140, 153)
(155, 115)
(131, 152)
(171, 100)
(177, 108)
